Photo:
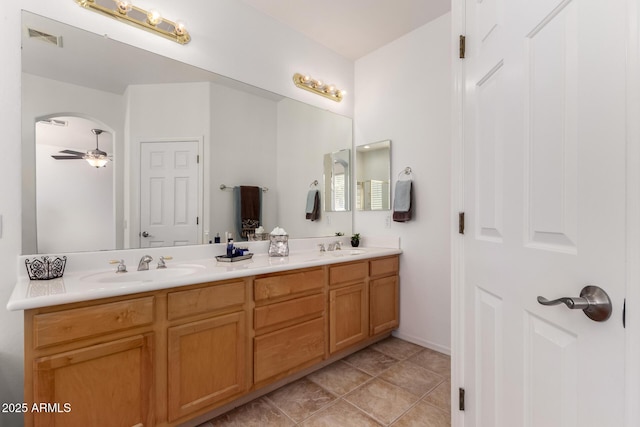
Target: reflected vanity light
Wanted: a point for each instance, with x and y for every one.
(318, 87)
(150, 20)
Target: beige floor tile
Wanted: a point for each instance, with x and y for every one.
(339, 378)
(433, 361)
(397, 348)
(383, 401)
(257, 413)
(424, 415)
(300, 399)
(341, 414)
(412, 378)
(441, 396)
(370, 361)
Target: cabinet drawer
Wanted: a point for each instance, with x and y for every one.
(73, 324)
(355, 272)
(283, 285)
(282, 351)
(385, 266)
(287, 311)
(205, 299)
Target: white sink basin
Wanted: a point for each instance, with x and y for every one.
(347, 252)
(143, 276)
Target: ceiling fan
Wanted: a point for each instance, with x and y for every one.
(96, 158)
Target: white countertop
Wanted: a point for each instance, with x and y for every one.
(89, 284)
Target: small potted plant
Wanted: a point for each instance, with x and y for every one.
(355, 240)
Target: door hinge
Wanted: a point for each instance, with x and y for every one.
(463, 47)
(461, 399)
(624, 313)
(197, 220)
(461, 222)
(197, 158)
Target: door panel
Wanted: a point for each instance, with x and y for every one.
(169, 193)
(544, 195)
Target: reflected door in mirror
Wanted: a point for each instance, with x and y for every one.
(169, 193)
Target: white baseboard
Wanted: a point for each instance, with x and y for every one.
(423, 343)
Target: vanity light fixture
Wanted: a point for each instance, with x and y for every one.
(150, 20)
(318, 87)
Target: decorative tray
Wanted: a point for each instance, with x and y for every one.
(226, 258)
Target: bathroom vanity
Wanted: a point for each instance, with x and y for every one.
(188, 348)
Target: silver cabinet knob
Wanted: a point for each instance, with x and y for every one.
(593, 301)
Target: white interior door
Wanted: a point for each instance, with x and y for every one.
(544, 195)
(169, 193)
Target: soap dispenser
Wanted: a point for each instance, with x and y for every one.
(230, 247)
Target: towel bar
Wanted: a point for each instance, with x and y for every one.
(224, 187)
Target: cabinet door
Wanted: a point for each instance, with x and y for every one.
(108, 384)
(206, 363)
(383, 309)
(348, 316)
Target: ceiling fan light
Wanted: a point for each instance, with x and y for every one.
(97, 162)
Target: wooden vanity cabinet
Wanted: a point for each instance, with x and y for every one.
(163, 358)
(289, 322)
(384, 304)
(207, 344)
(92, 365)
(348, 305)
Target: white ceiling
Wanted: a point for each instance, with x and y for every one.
(353, 28)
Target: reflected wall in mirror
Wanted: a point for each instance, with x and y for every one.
(337, 181)
(373, 166)
(245, 136)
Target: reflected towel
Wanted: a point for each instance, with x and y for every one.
(313, 205)
(403, 201)
(248, 201)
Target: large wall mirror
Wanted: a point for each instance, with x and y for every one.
(373, 164)
(153, 109)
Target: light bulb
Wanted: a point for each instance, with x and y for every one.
(123, 6)
(153, 17)
(180, 28)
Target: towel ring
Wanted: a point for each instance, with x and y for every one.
(406, 171)
(314, 183)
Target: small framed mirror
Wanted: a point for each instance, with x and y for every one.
(337, 181)
(373, 167)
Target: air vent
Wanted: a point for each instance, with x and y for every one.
(53, 122)
(44, 37)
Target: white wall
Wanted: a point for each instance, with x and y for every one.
(229, 37)
(403, 94)
(244, 130)
(305, 135)
(74, 200)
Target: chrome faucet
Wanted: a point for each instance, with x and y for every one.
(322, 248)
(161, 262)
(335, 246)
(144, 263)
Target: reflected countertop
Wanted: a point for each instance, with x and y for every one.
(93, 283)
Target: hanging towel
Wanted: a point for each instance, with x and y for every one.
(248, 201)
(313, 205)
(403, 201)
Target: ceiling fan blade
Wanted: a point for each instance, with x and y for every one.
(67, 157)
(75, 153)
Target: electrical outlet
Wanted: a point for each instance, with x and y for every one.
(328, 219)
(387, 221)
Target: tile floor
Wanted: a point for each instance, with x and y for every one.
(390, 383)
